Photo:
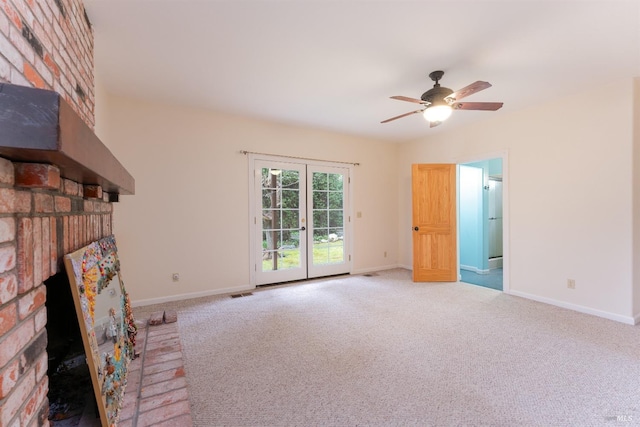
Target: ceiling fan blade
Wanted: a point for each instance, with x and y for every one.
(469, 90)
(402, 115)
(484, 106)
(406, 98)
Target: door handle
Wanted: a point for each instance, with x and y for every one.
(303, 228)
(416, 228)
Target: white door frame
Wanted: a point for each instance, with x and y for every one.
(348, 226)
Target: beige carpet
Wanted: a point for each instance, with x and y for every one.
(383, 351)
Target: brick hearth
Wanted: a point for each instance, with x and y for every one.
(157, 393)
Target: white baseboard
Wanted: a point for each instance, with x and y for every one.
(579, 308)
(495, 263)
(635, 320)
(374, 269)
(180, 297)
(474, 269)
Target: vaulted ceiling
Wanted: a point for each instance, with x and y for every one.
(334, 64)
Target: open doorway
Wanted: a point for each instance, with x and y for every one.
(481, 223)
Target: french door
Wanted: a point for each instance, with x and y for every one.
(300, 221)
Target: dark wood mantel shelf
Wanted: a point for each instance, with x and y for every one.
(39, 126)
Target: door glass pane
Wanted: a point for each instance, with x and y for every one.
(328, 218)
(336, 244)
(328, 246)
(268, 197)
(319, 200)
(280, 219)
(319, 220)
(290, 180)
(270, 219)
(290, 199)
(335, 199)
(319, 181)
(320, 235)
(334, 182)
(336, 218)
(290, 219)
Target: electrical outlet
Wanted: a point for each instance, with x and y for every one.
(175, 277)
(571, 283)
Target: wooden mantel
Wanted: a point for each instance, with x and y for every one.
(39, 126)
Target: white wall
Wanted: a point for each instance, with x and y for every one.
(636, 199)
(570, 182)
(190, 211)
(101, 100)
(572, 202)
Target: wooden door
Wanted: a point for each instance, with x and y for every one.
(434, 223)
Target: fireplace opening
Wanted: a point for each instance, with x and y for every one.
(70, 387)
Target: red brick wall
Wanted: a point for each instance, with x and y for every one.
(42, 217)
(46, 44)
(49, 44)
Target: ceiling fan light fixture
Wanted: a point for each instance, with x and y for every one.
(437, 113)
(438, 102)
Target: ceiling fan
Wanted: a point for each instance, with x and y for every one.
(438, 102)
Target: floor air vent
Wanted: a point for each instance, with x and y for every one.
(246, 294)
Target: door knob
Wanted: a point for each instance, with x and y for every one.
(303, 228)
(416, 228)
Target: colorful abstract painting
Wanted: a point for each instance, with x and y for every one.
(106, 322)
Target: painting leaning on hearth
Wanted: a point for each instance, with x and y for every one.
(106, 322)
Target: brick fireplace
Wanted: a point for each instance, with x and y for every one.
(58, 183)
